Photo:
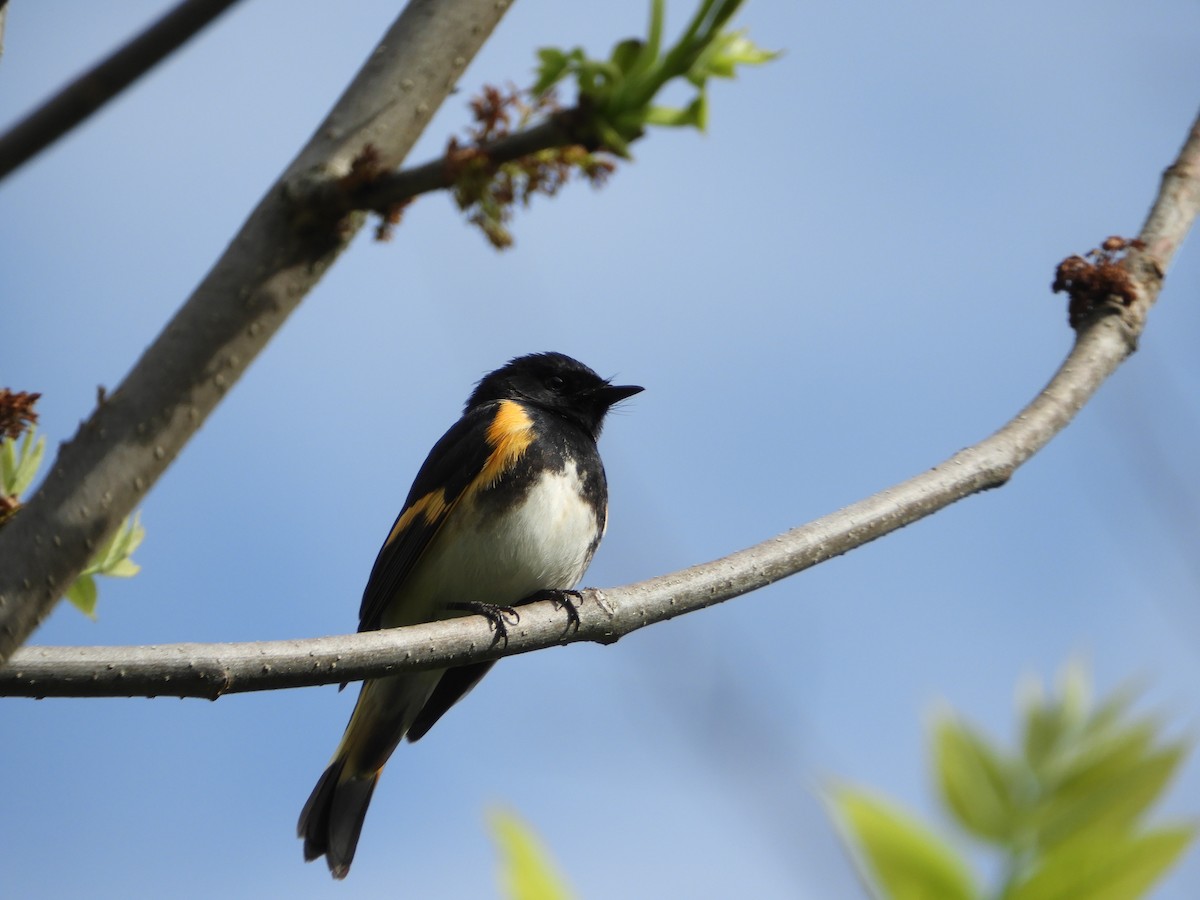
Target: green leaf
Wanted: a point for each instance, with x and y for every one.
(1050, 724)
(739, 50)
(1108, 715)
(18, 468)
(554, 65)
(113, 558)
(658, 12)
(31, 460)
(976, 782)
(1044, 727)
(1110, 792)
(626, 54)
(901, 856)
(1095, 761)
(611, 139)
(8, 465)
(1112, 868)
(131, 535)
(596, 78)
(620, 91)
(526, 872)
(83, 595)
(1076, 689)
(727, 51)
(122, 568)
(694, 116)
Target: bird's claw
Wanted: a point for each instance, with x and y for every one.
(499, 617)
(566, 599)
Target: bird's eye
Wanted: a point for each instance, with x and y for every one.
(555, 382)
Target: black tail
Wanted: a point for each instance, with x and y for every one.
(332, 819)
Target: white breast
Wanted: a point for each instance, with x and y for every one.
(499, 558)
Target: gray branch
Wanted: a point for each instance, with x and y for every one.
(278, 255)
(1107, 336)
(99, 84)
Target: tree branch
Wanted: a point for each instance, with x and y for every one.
(102, 473)
(381, 194)
(95, 87)
(1105, 338)
(3, 22)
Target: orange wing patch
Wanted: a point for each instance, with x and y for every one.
(509, 435)
(431, 507)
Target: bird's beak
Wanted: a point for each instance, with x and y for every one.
(611, 394)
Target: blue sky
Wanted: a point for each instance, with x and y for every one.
(842, 283)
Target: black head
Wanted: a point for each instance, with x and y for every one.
(555, 383)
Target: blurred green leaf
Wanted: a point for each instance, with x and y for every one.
(1108, 715)
(1067, 809)
(1044, 727)
(652, 46)
(554, 65)
(1110, 791)
(975, 781)
(1115, 868)
(618, 92)
(1075, 687)
(695, 115)
(131, 535)
(902, 857)
(8, 465)
(526, 872)
(82, 594)
(627, 54)
(1100, 758)
(123, 568)
(113, 558)
(18, 467)
(17, 471)
(724, 54)
(613, 107)
(1057, 729)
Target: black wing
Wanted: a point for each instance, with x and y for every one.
(452, 687)
(453, 463)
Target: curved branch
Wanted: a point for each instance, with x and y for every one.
(95, 87)
(1104, 340)
(209, 670)
(273, 261)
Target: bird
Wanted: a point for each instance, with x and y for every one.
(509, 506)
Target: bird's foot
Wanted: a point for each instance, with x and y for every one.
(565, 599)
(499, 617)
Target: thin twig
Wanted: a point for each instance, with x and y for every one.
(382, 192)
(3, 22)
(385, 192)
(95, 87)
(1104, 340)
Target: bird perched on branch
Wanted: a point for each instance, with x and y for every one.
(509, 506)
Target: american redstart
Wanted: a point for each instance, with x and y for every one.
(509, 506)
